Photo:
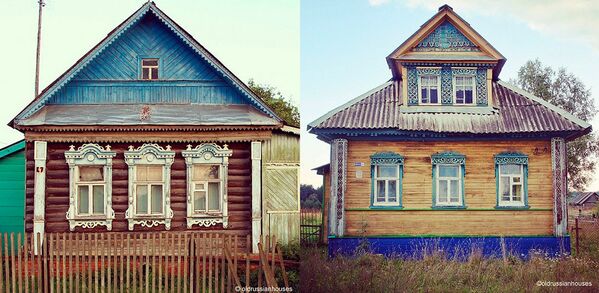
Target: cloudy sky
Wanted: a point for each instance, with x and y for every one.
(344, 45)
(256, 39)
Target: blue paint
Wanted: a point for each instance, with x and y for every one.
(446, 37)
(451, 247)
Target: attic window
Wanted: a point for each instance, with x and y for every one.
(429, 89)
(464, 90)
(149, 69)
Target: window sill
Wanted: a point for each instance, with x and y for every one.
(205, 220)
(462, 207)
(388, 208)
(526, 207)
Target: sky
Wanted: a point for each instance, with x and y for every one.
(344, 45)
(256, 39)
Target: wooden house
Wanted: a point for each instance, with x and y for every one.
(445, 153)
(12, 188)
(149, 131)
(585, 202)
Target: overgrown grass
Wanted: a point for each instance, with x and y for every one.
(437, 273)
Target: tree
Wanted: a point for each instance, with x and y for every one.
(277, 102)
(310, 197)
(566, 91)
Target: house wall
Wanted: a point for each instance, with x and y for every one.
(57, 190)
(12, 192)
(480, 217)
(326, 190)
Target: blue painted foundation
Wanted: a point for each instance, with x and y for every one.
(452, 247)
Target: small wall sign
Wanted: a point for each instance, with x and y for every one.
(359, 164)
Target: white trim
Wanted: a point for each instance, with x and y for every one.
(150, 154)
(256, 156)
(209, 154)
(375, 201)
(89, 155)
(40, 151)
(552, 107)
(511, 202)
(459, 178)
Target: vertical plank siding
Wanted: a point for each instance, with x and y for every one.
(76, 262)
(12, 172)
(57, 191)
(480, 191)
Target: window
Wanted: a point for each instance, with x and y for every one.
(149, 185)
(464, 88)
(90, 190)
(448, 180)
(512, 182)
(90, 186)
(149, 69)
(207, 166)
(429, 89)
(387, 172)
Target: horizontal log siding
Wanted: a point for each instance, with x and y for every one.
(480, 190)
(57, 190)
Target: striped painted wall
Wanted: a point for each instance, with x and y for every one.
(114, 76)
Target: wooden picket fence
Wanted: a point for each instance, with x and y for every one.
(136, 262)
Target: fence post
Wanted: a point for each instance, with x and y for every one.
(577, 234)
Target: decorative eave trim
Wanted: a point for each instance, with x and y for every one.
(142, 128)
(207, 150)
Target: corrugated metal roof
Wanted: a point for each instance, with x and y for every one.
(515, 111)
(12, 148)
(582, 197)
(157, 114)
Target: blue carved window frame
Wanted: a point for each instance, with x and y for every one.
(429, 72)
(140, 58)
(512, 158)
(453, 159)
(386, 158)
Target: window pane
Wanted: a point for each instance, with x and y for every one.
(213, 196)
(200, 186)
(517, 192)
(154, 73)
(199, 201)
(98, 199)
(392, 191)
(145, 73)
(468, 95)
(434, 95)
(149, 173)
(141, 200)
(150, 62)
(83, 200)
(424, 96)
(504, 185)
(459, 96)
(156, 199)
(380, 188)
(387, 171)
(448, 171)
(510, 169)
(91, 173)
(442, 191)
(454, 196)
(204, 172)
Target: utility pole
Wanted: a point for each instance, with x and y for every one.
(39, 41)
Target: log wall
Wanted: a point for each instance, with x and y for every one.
(57, 190)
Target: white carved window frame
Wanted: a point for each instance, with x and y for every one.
(90, 155)
(150, 154)
(210, 154)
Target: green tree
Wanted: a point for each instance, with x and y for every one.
(277, 102)
(566, 91)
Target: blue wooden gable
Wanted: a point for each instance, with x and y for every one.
(446, 37)
(111, 72)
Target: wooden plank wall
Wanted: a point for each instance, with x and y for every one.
(480, 190)
(57, 191)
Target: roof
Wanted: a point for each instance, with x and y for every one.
(321, 170)
(514, 111)
(12, 148)
(444, 14)
(583, 197)
(159, 114)
(149, 7)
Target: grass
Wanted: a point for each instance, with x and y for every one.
(437, 273)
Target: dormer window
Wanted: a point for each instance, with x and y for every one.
(149, 69)
(429, 89)
(464, 89)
